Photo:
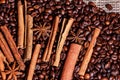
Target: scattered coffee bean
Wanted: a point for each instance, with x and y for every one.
(109, 6)
(87, 76)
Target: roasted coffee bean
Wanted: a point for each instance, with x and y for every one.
(94, 18)
(109, 6)
(41, 76)
(114, 57)
(107, 65)
(115, 72)
(92, 4)
(104, 63)
(107, 23)
(104, 78)
(48, 10)
(87, 76)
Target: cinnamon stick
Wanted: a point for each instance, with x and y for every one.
(48, 50)
(2, 67)
(25, 29)
(33, 61)
(89, 52)
(29, 36)
(5, 48)
(12, 46)
(20, 25)
(62, 40)
(62, 29)
(70, 61)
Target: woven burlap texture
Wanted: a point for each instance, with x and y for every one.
(101, 3)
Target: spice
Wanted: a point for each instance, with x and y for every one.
(25, 29)
(29, 38)
(42, 31)
(70, 61)
(2, 67)
(75, 37)
(62, 40)
(48, 50)
(12, 46)
(89, 52)
(109, 6)
(33, 61)
(5, 48)
(13, 72)
(20, 25)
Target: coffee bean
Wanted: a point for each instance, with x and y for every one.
(41, 76)
(104, 78)
(48, 10)
(87, 76)
(92, 4)
(107, 65)
(114, 57)
(107, 23)
(109, 6)
(115, 72)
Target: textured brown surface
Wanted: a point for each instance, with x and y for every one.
(101, 4)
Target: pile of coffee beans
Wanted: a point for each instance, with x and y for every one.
(105, 61)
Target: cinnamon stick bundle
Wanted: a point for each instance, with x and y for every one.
(53, 34)
(70, 61)
(33, 61)
(12, 46)
(62, 40)
(2, 67)
(89, 52)
(20, 25)
(5, 48)
(29, 39)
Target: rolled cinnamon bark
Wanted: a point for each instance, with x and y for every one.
(2, 66)
(33, 61)
(89, 52)
(5, 48)
(62, 40)
(28, 52)
(12, 46)
(70, 61)
(20, 25)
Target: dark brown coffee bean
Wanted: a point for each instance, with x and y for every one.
(102, 18)
(118, 77)
(48, 10)
(35, 77)
(36, 6)
(107, 65)
(114, 57)
(109, 6)
(41, 76)
(87, 76)
(111, 78)
(94, 18)
(107, 23)
(97, 22)
(82, 77)
(115, 72)
(110, 42)
(50, 17)
(92, 4)
(104, 78)
(94, 9)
